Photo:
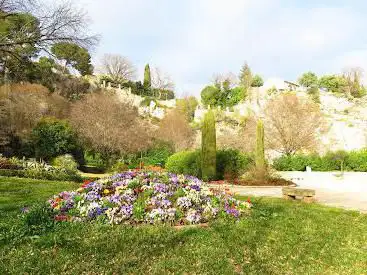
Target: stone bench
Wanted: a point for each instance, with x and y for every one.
(291, 193)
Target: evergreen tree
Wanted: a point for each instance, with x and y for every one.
(74, 56)
(208, 147)
(257, 81)
(308, 79)
(147, 77)
(260, 151)
(246, 79)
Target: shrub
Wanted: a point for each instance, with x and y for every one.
(53, 137)
(66, 162)
(185, 162)
(40, 170)
(158, 154)
(43, 175)
(118, 166)
(175, 128)
(356, 161)
(109, 126)
(231, 163)
(329, 162)
(208, 147)
(6, 163)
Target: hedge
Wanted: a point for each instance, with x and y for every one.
(59, 176)
(332, 161)
(230, 163)
(185, 162)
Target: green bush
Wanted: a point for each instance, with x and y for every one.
(118, 167)
(53, 137)
(66, 162)
(185, 162)
(6, 163)
(158, 154)
(39, 174)
(356, 161)
(229, 162)
(331, 161)
(299, 163)
(94, 159)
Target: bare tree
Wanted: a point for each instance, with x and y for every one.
(292, 124)
(241, 137)
(59, 22)
(117, 67)
(353, 77)
(109, 126)
(161, 80)
(24, 105)
(228, 79)
(175, 128)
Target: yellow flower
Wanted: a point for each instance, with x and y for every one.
(120, 188)
(106, 191)
(80, 190)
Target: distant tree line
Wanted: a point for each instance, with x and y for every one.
(349, 83)
(227, 91)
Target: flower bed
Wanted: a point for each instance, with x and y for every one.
(135, 197)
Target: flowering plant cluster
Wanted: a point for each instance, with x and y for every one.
(146, 197)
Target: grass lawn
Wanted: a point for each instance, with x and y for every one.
(280, 237)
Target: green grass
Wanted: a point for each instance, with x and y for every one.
(279, 237)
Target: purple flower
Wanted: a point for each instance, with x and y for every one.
(196, 187)
(160, 188)
(97, 211)
(184, 202)
(92, 195)
(129, 198)
(95, 186)
(165, 203)
(114, 198)
(233, 212)
(193, 216)
(126, 211)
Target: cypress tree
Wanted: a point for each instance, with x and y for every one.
(260, 151)
(208, 147)
(147, 77)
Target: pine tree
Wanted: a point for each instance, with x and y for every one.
(147, 77)
(246, 79)
(260, 151)
(208, 147)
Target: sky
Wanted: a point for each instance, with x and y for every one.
(192, 40)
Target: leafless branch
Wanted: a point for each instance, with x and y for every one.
(60, 22)
(118, 67)
(161, 80)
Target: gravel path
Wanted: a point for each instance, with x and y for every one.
(349, 191)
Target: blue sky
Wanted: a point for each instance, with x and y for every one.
(194, 39)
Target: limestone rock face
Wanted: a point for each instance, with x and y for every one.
(345, 120)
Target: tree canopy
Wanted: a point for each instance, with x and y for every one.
(308, 79)
(257, 81)
(74, 56)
